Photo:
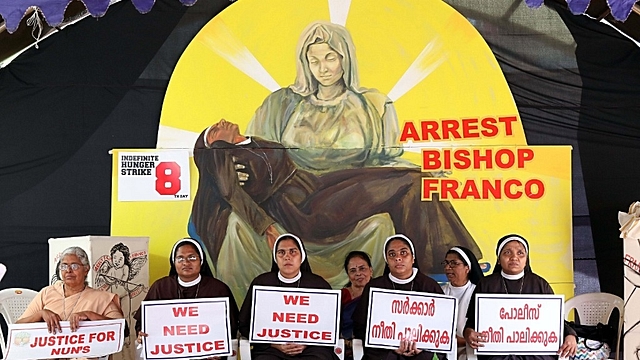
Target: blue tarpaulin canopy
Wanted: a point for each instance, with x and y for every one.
(12, 11)
(620, 9)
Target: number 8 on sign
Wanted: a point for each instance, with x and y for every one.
(168, 178)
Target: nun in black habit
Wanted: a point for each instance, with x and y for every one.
(189, 278)
(400, 273)
(513, 275)
(289, 268)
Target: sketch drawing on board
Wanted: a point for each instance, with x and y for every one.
(116, 272)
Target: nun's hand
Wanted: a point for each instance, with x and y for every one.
(569, 346)
(473, 338)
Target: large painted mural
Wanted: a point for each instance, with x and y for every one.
(345, 122)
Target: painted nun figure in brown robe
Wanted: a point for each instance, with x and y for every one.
(513, 275)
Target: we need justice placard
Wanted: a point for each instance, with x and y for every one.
(291, 315)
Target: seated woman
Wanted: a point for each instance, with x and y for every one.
(400, 273)
(189, 278)
(513, 275)
(463, 272)
(71, 299)
(358, 267)
(290, 268)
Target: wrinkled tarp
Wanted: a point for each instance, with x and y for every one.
(620, 9)
(12, 11)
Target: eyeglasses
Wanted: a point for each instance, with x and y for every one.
(73, 266)
(282, 253)
(190, 258)
(452, 263)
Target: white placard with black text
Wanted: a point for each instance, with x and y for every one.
(157, 175)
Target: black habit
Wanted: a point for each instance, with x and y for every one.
(496, 284)
(167, 288)
(421, 283)
(265, 351)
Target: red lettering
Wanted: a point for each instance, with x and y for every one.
(431, 160)
(185, 311)
(450, 129)
(524, 155)
(508, 185)
(430, 130)
(295, 299)
(429, 186)
(529, 189)
(409, 132)
(219, 344)
(469, 128)
(508, 122)
(505, 158)
(448, 189)
(489, 127)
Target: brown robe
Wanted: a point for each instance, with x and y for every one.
(265, 351)
(167, 288)
(494, 284)
(421, 283)
(320, 209)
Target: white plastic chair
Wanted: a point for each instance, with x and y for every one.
(245, 349)
(13, 303)
(594, 308)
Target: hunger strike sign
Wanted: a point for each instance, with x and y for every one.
(301, 316)
(186, 328)
(92, 339)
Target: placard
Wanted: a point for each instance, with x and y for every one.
(157, 175)
(426, 318)
(186, 328)
(301, 316)
(520, 324)
(91, 339)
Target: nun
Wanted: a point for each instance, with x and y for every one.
(289, 269)
(189, 278)
(463, 272)
(400, 273)
(513, 275)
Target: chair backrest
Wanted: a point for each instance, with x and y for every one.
(13, 302)
(594, 308)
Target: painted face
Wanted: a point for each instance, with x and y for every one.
(187, 262)
(71, 277)
(455, 269)
(223, 130)
(359, 271)
(325, 64)
(118, 259)
(513, 257)
(400, 259)
(288, 258)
